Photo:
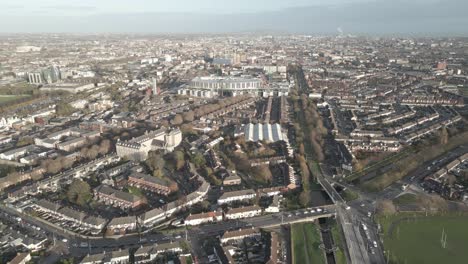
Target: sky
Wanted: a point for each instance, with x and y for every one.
(82, 7)
(414, 17)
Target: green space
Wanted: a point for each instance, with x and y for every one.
(349, 195)
(416, 238)
(11, 98)
(5, 170)
(404, 199)
(426, 151)
(18, 88)
(380, 164)
(135, 191)
(338, 240)
(305, 239)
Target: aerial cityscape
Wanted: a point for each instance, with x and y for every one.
(204, 146)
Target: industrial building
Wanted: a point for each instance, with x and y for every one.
(210, 87)
(263, 132)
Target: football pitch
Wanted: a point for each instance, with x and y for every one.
(425, 239)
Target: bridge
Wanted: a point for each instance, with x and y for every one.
(357, 248)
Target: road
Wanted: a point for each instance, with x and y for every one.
(351, 217)
(80, 245)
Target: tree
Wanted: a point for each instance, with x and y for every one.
(91, 152)
(156, 163)
(177, 120)
(385, 207)
(301, 149)
(188, 116)
(79, 192)
(23, 141)
(105, 147)
(198, 160)
(179, 159)
(66, 163)
(444, 136)
(304, 198)
(52, 166)
(64, 109)
(262, 173)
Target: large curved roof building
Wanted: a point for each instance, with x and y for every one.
(229, 86)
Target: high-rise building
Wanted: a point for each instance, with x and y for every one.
(48, 75)
(155, 86)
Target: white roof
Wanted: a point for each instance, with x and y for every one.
(263, 132)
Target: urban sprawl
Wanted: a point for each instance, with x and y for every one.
(224, 149)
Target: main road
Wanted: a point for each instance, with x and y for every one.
(359, 241)
(79, 245)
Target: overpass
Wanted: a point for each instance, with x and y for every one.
(357, 248)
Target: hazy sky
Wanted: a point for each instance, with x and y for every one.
(421, 17)
(81, 7)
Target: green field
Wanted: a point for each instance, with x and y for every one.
(417, 239)
(305, 239)
(349, 195)
(338, 240)
(10, 98)
(405, 199)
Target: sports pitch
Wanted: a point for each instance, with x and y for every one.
(409, 239)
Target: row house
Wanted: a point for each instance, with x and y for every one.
(236, 235)
(149, 183)
(150, 253)
(117, 198)
(122, 225)
(203, 218)
(243, 212)
(241, 195)
(112, 257)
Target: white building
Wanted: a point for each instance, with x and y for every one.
(243, 212)
(275, 205)
(263, 132)
(112, 257)
(138, 148)
(239, 234)
(229, 197)
(230, 86)
(202, 218)
(149, 253)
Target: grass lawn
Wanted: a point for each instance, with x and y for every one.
(404, 199)
(135, 191)
(417, 239)
(349, 195)
(305, 239)
(338, 239)
(9, 98)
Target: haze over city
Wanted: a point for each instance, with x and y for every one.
(416, 17)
